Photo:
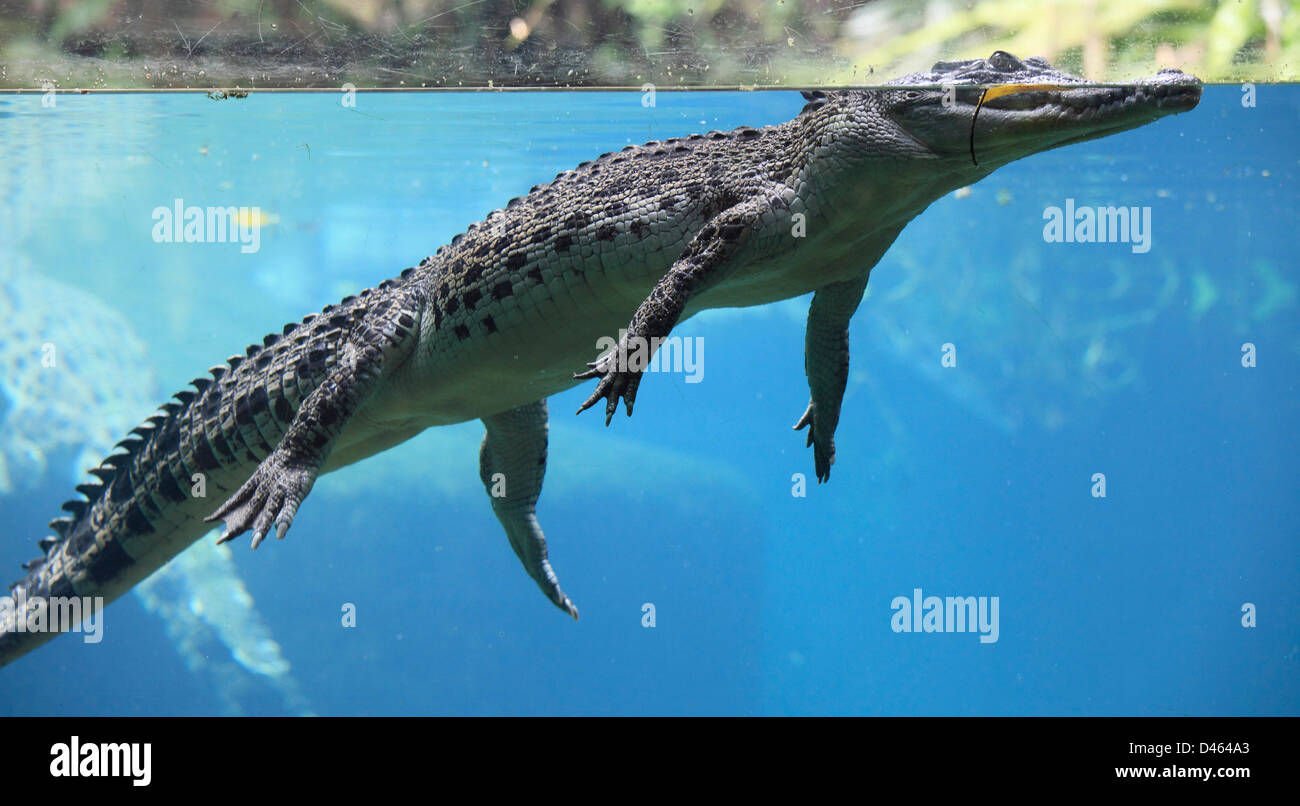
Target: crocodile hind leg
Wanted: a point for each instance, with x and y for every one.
(512, 464)
(826, 363)
(370, 345)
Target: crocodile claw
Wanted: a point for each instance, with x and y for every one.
(531, 548)
(823, 447)
(270, 497)
(614, 383)
(569, 607)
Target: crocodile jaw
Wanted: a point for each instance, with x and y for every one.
(1023, 123)
(983, 113)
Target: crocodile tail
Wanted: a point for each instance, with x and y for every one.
(83, 570)
(21, 629)
(142, 508)
(68, 589)
(48, 601)
(85, 563)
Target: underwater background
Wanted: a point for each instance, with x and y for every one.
(771, 595)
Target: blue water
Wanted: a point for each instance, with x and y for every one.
(976, 480)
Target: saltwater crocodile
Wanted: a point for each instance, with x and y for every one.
(496, 321)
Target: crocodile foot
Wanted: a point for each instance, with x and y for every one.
(615, 382)
(823, 445)
(270, 497)
(551, 586)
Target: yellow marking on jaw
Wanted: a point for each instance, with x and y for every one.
(997, 92)
(1012, 89)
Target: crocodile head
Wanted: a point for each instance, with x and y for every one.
(937, 118)
(1022, 120)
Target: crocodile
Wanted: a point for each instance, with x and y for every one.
(496, 321)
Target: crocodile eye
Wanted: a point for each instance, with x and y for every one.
(913, 95)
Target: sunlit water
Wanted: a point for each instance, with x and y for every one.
(973, 480)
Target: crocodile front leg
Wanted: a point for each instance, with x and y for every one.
(703, 263)
(376, 342)
(512, 464)
(826, 363)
